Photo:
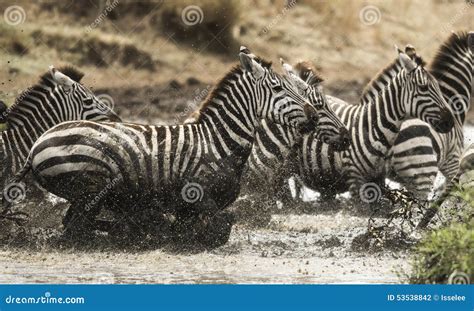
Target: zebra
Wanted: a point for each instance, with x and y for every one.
(191, 171)
(465, 175)
(274, 141)
(57, 97)
(419, 151)
(373, 125)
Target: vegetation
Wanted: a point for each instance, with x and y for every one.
(448, 250)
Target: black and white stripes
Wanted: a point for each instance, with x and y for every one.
(56, 98)
(76, 160)
(419, 150)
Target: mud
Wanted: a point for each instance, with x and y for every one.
(291, 249)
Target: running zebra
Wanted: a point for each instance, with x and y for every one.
(419, 150)
(191, 171)
(274, 141)
(373, 126)
(57, 97)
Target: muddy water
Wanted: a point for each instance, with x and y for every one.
(292, 249)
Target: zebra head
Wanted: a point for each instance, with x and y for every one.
(275, 98)
(422, 96)
(330, 128)
(86, 105)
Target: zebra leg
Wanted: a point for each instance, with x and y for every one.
(217, 229)
(443, 195)
(208, 229)
(79, 221)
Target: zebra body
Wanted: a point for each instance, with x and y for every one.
(374, 125)
(419, 150)
(154, 165)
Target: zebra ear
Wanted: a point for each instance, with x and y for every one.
(287, 68)
(61, 79)
(406, 62)
(293, 76)
(470, 41)
(410, 51)
(249, 64)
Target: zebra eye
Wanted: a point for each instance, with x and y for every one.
(88, 101)
(423, 87)
(278, 89)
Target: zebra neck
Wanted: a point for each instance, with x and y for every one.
(379, 121)
(40, 108)
(227, 133)
(457, 92)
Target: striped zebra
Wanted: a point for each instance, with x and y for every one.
(419, 151)
(57, 97)
(373, 125)
(465, 175)
(274, 141)
(191, 171)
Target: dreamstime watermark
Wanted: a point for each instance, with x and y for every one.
(192, 15)
(106, 103)
(105, 12)
(458, 277)
(447, 28)
(21, 96)
(191, 106)
(102, 193)
(370, 15)
(14, 15)
(45, 299)
(192, 192)
(14, 192)
(459, 103)
(277, 18)
(370, 192)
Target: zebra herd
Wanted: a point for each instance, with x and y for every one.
(256, 127)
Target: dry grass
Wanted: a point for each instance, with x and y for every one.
(329, 33)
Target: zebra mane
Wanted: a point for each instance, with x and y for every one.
(455, 43)
(70, 71)
(383, 77)
(45, 79)
(308, 73)
(223, 84)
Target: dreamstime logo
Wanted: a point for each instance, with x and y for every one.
(370, 192)
(102, 16)
(459, 103)
(106, 102)
(370, 15)
(14, 15)
(89, 206)
(192, 192)
(192, 15)
(14, 192)
(458, 278)
(200, 95)
(290, 4)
